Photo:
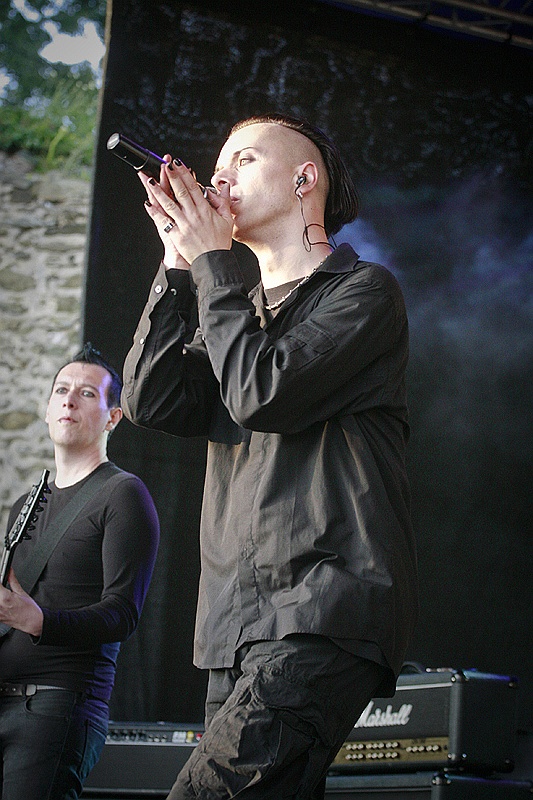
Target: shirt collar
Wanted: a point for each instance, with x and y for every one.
(342, 259)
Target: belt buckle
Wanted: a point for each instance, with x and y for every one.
(30, 689)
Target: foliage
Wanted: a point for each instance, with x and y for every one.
(48, 110)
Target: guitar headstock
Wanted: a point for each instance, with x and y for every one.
(33, 505)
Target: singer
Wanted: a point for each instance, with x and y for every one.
(308, 589)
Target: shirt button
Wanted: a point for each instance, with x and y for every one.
(158, 289)
(141, 341)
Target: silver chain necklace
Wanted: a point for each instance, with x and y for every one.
(277, 304)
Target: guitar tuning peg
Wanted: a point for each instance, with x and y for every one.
(29, 528)
(39, 510)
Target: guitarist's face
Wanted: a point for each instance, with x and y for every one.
(78, 416)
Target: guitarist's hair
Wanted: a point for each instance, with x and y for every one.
(90, 355)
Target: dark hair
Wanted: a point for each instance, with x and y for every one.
(89, 355)
(342, 204)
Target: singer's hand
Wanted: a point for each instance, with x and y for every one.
(172, 258)
(195, 224)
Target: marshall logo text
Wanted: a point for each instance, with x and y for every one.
(379, 718)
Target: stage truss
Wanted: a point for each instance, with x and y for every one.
(509, 22)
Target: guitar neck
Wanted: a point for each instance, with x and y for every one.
(23, 524)
(5, 565)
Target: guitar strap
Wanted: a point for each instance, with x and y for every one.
(29, 572)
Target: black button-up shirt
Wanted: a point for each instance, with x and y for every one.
(305, 519)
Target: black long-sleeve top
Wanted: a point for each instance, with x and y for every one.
(92, 589)
(305, 521)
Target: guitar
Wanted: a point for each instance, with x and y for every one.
(20, 530)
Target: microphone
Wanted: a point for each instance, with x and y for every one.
(138, 157)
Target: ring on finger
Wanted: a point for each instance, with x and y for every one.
(168, 227)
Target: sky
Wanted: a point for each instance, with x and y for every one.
(86, 46)
(74, 49)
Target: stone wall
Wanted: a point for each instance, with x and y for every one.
(43, 232)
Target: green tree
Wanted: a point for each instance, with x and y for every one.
(48, 110)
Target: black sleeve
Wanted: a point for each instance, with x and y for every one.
(281, 384)
(285, 384)
(129, 548)
(168, 381)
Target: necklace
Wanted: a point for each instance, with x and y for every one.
(277, 304)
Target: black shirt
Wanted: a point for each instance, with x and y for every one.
(92, 589)
(305, 521)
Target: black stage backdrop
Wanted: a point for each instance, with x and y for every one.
(437, 132)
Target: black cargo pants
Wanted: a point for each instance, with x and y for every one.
(276, 720)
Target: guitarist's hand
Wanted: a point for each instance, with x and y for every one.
(18, 609)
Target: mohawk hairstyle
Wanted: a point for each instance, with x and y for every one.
(342, 204)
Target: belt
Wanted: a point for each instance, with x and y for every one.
(23, 689)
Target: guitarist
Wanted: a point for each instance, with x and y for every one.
(58, 660)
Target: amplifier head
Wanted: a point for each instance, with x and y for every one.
(142, 757)
(438, 718)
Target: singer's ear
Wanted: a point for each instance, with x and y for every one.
(306, 174)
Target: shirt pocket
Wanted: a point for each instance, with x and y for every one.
(305, 344)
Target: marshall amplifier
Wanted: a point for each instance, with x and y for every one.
(442, 718)
(141, 759)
